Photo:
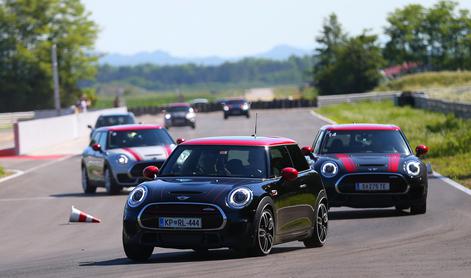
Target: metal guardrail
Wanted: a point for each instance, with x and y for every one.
(11, 118)
(421, 101)
(373, 96)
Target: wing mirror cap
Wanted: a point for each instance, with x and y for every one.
(421, 150)
(289, 174)
(90, 126)
(150, 172)
(96, 147)
(307, 150)
(180, 140)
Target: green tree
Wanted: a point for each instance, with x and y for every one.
(28, 29)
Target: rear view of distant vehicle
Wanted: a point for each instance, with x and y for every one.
(117, 155)
(180, 114)
(113, 119)
(236, 107)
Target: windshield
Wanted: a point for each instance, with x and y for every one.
(178, 109)
(235, 102)
(114, 120)
(364, 141)
(138, 138)
(216, 161)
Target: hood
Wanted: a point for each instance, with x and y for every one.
(209, 190)
(145, 153)
(369, 162)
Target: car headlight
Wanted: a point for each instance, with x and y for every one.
(137, 196)
(329, 169)
(245, 106)
(239, 198)
(190, 115)
(412, 168)
(168, 116)
(226, 108)
(122, 159)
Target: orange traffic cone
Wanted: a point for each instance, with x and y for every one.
(79, 216)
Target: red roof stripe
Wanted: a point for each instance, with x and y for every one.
(133, 127)
(133, 153)
(361, 127)
(241, 141)
(347, 162)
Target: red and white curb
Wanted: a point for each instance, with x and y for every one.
(435, 174)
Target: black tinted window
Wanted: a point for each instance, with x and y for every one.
(280, 159)
(235, 102)
(114, 120)
(138, 138)
(299, 161)
(216, 161)
(178, 109)
(364, 141)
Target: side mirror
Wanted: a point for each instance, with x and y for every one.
(421, 150)
(89, 126)
(180, 140)
(289, 174)
(96, 147)
(150, 172)
(307, 151)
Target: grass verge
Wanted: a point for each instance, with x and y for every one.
(447, 137)
(2, 171)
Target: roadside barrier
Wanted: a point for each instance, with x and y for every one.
(77, 215)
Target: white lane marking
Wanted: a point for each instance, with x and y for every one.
(436, 174)
(325, 119)
(452, 183)
(21, 173)
(27, 199)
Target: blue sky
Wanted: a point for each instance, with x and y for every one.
(229, 27)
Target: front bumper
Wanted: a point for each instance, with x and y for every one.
(404, 191)
(236, 112)
(130, 174)
(234, 231)
(174, 121)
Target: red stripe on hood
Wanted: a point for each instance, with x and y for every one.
(347, 162)
(133, 153)
(393, 162)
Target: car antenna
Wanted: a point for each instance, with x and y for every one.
(255, 133)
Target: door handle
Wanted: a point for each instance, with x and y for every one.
(303, 185)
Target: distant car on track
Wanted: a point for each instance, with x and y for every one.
(179, 114)
(245, 193)
(117, 155)
(113, 119)
(370, 165)
(236, 107)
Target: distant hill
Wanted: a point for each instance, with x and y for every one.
(278, 53)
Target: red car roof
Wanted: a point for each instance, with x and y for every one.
(361, 127)
(132, 127)
(241, 141)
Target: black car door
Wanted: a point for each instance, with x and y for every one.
(290, 219)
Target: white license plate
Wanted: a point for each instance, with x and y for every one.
(372, 186)
(179, 222)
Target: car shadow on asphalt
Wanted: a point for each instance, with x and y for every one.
(365, 213)
(92, 195)
(186, 256)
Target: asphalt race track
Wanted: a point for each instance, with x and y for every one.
(37, 241)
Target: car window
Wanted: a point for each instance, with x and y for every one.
(297, 157)
(279, 159)
(317, 142)
(95, 138)
(179, 109)
(139, 138)
(216, 161)
(102, 140)
(114, 120)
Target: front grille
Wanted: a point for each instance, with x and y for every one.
(136, 171)
(397, 183)
(212, 217)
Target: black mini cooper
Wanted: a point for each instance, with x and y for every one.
(245, 193)
(370, 165)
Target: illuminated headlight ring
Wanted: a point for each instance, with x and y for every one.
(137, 196)
(329, 169)
(239, 198)
(412, 168)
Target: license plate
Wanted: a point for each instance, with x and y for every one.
(372, 186)
(179, 222)
(179, 121)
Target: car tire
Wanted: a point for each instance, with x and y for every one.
(87, 187)
(225, 117)
(321, 223)
(193, 126)
(264, 230)
(248, 115)
(136, 252)
(110, 184)
(419, 208)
